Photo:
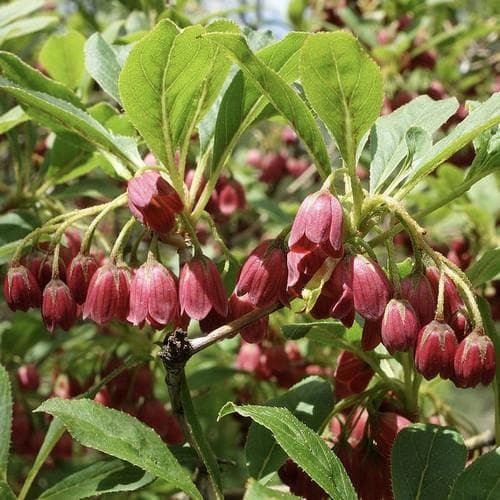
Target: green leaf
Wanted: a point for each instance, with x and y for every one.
(12, 118)
(487, 268)
(487, 159)
(102, 65)
(60, 115)
(62, 57)
(16, 10)
(302, 445)
(387, 138)
(425, 461)
(5, 421)
(243, 103)
(279, 94)
(479, 480)
(310, 401)
(344, 86)
(5, 492)
(24, 27)
(120, 435)
(257, 491)
(294, 331)
(25, 76)
(104, 476)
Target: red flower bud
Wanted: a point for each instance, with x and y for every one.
(108, 294)
(297, 166)
(452, 299)
(319, 221)
(41, 267)
(263, 276)
(418, 291)
(20, 289)
(352, 375)
(385, 430)
(256, 331)
(340, 286)
(212, 321)
(28, 378)
(153, 201)
(58, 306)
(459, 323)
(230, 196)
(400, 326)
(272, 167)
(80, 272)
(201, 289)
(302, 266)
(474, 360)
(370, 287)
(371, 336)
(435, 352)
(153, 295)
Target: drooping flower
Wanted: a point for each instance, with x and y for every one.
(400, 326)
(79, 274)
(20, 289)
(58, 306)
(418, 291)
(254, 332)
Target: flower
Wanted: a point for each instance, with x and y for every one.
(400, 326)
(79, 274)
(418, 291)
(58, 306)
(20, 289)
(452, 299)
(153, 201)
(256, 331)
(352, 375)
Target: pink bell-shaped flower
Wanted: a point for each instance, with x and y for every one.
(58, 306)
(20, 289)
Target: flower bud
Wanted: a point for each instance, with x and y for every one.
(153, 201)
(20, 289)
(58, 306)
(385, 429)
(263, 276)
(340, 285)
(474, 360)
(230, 196)
(201, 289)
(256, 331)
(371, 288)
(459, 323)
(153, 295)
(400, 326)
(371, 336)
(352, 375)
(418, 291)
(41, 267)
(435, 352)
(272, 167)
(108, 294)
(452, 299)
(28, 378)
(302, 266)
(319, 221)
(79, 274)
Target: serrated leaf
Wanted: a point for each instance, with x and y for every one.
(279, 94)
(344, 86)
(5, 421)
(12, 118)
(257, 491)
(62, 57)
(387, 138)
(24, 27)
(104, 476)
(479, 480)
(487, 268)
(311, 401)
(425, 461)
(120, 435)
(16, 10)
(302, 445)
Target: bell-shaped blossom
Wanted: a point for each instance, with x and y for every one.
(58, 306)
(20, 289)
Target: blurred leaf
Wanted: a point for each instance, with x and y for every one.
(5, 421)
(257, 491)
(102, 65)
(279, 94)
(20, 8)
(14, 225)
(487, 159)
(5, 492)
(294, 331)
(24, 27)
(62, 57)
(302, 445)
(344, 86)
(12, 118)
(387, 138)
(104, 476)
(487, 268)
(480, 479)
(120, 435)
(310, 401)
(426, 460)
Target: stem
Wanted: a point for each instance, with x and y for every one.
(121, 240)
(411, 382)
(188, 226)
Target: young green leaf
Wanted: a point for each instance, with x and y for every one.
(12, 118)
(257, 491)
(102, 65)
(5, 421)
(279, 94)
(485, 269)
(24, 27)
(302, 445)
(487, 159)
(425, 461)
(104, 476)
(120, 435)
(20, 8)
(62, 57)
(311, 401)
(344, 86)
(479, 480)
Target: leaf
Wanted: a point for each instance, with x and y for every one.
(12, 118)
(25, 27)
(104, 476)
(294, 331)
(257, 491)
(302, 445)
(5, 421)
(344, 86)
(487, 159)
(5, 492)
(479, 480)
(18, 9)
(487, 268)
(387, 138)
(426, 459)
(102, 65)
(62, 57)
(120, 435)
(279, 94)
(61, 115)
(310, 401)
